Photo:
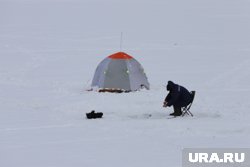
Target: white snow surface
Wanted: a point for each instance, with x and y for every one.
(49, 50)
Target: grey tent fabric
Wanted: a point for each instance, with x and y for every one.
(117, 76)
(120, 72)
(137, 75)
(98, 80)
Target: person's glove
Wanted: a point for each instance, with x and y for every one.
(165, 104)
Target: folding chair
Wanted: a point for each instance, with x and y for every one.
(186, 110)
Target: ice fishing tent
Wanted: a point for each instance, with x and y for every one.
(119, 72)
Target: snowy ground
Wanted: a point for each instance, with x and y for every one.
(49, 50)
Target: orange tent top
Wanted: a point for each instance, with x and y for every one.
(120, 55)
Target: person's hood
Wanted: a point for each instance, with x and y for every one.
(170, 85)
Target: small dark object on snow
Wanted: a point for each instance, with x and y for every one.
(93, 115)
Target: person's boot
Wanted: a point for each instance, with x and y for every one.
(172, 114)
(177, 111)
(177, 114)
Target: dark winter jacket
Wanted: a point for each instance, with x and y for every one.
(178, 96)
